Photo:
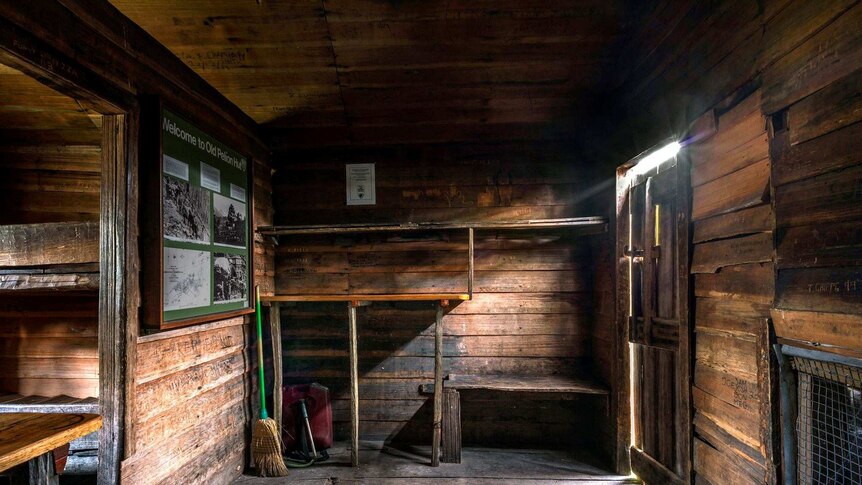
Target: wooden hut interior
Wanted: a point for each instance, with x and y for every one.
(431, 242)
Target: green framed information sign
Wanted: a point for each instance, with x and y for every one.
(205, 227)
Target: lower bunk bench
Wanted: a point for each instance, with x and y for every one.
(453, 383)
(76, 455)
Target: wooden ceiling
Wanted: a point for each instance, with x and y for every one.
(31, 113)
(398, 71)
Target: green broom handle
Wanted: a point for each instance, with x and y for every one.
(263, 413)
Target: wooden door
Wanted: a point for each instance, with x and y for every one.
(658, 329)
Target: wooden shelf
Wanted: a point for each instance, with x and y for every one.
(48, 282)
(574, 222)
(383, 297)
(49, 244)
(16, 403)
(521, 383)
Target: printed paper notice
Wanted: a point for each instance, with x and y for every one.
(210, 178)
(361, 188)
(174, 167)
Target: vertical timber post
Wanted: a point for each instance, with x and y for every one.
(451, 445)
(354, 385)
(438, 384)
(470, 264)
(278, 380)
(117, 280)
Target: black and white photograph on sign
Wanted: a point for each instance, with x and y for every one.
(230, 273)
(186, 212)
(229, 222)
(210, 178)
(186, 279)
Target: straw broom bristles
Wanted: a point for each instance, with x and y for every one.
(266, 449)
(265, 436)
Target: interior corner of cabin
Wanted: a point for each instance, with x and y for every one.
(430, 243)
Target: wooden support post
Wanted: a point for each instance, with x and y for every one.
(278, 381)
(451, 452)
(354, 385)
(470, 263)
(438, 384)
(42, 470)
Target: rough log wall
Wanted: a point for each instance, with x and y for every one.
(533, 306)
(805, 58)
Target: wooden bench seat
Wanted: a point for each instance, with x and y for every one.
(521, 383)
(453, 383)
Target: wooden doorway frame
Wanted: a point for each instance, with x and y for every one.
(118, 259)
(622, 372)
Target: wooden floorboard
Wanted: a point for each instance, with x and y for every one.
(383, 465)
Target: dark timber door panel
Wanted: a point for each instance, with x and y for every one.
(658, 325)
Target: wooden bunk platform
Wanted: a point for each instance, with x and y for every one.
(16, 403)
(368, 297)
(49, 257)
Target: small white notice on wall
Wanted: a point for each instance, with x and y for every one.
(360, 184)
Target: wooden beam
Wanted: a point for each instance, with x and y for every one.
(367, 298)
(451, 452)
(42, 470)
(49, 244)
(428, 226)
(42, 282)
(275, 337)
(438, 386)
(470, 257)
(354, 385)
(651, 471)
(117, 289)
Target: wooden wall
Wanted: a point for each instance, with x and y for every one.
(90, 49)
(817, 173)
(532, 312)
(50, 149)
(48, 345)
(741, 62)
(733, 287)
(193, 388)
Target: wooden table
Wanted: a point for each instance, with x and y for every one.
(29, 436)
(445, 300)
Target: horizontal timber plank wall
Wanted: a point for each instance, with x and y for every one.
(49, 345)
(733, 288)
(50, 154)
(532, 311)
(50, 149)
(88, 48)
(796, 250)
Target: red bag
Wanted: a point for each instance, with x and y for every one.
(319, 414)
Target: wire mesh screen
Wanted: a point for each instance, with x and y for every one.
(829, 423)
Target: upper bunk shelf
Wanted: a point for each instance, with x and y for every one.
(371, 297)
(597, 224)
(589, 225)
(59, 256)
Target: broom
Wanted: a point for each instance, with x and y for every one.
(265, 436)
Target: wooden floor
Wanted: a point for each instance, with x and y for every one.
(480, 466)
